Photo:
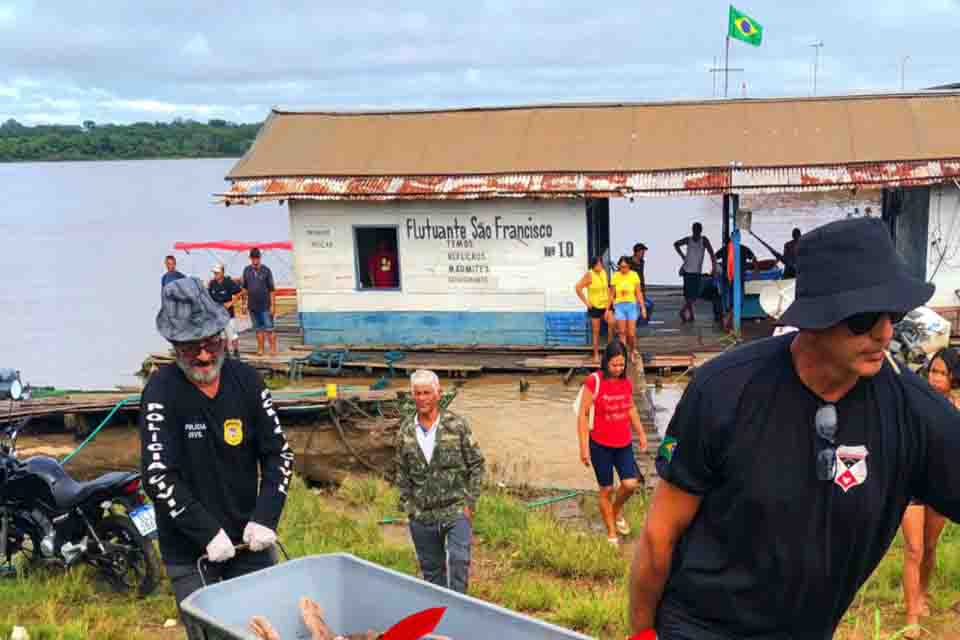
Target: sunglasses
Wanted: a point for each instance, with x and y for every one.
(213, 345)
(825, 422)
(862, 323)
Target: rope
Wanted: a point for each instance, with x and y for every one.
(93, 433)
(346, 443)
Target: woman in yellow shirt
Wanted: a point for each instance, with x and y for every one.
(598, 301)
(627, 297)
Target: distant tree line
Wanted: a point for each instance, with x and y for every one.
(92, 141)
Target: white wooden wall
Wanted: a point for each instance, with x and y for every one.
(533, 275)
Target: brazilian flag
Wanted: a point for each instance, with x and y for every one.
(745, 28)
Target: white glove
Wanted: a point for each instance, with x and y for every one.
(220, 549)
(259, 537)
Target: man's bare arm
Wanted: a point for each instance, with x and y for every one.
(680, 243)
(710, 251)
(671, 512)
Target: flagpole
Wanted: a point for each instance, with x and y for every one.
(726, 68)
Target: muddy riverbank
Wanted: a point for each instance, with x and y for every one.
(528, 436)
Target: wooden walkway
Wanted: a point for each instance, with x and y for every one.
(667, 344)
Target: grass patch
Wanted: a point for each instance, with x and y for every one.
(564, 551)
(500, 519)
(597, 612)
(372, 493)
(59, 605)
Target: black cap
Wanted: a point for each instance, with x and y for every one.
(254, 253)
(640, 245)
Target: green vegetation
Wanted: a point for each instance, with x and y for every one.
(92, 141)
(524, 559)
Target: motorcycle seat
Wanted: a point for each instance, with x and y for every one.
(69, 493)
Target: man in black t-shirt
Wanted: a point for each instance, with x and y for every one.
(223, 289)
(788, 464)
(215, 459)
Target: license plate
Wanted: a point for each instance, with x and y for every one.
(145, 520)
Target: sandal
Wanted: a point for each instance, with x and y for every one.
(614, 541)
(622, 526)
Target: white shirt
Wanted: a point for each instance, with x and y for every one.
(427, 439)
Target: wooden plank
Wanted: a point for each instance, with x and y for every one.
(412, 366)
(98, 403)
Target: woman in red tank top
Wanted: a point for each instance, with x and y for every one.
(609, 444)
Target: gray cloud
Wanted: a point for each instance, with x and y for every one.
(151, 60)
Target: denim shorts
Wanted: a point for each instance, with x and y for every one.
(605, 459)
(626, 311)
(262, 320)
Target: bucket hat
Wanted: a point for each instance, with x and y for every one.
(187, 312)
(849, 267)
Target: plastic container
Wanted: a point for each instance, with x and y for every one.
(356, 595)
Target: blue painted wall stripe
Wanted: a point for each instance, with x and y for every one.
(444, 327)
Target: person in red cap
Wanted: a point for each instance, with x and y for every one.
(789, 462)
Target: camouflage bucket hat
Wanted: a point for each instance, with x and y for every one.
(187, 312)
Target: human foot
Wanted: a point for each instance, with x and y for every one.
(262, 628)
(313, 617)
(912, 630)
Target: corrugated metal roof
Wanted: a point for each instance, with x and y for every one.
(579, 150)
(764, 180)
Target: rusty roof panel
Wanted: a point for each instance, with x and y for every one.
(576, 185)
(607, 138)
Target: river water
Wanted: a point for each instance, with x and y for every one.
(84, 242)
(83, 249)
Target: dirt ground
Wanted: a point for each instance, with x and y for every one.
(528, 436)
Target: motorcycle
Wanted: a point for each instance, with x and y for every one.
(49, 519)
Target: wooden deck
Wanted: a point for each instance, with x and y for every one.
(667, 344)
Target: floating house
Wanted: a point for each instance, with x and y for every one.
(470, 226)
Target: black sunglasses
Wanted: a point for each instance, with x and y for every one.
(212, 345)
(862, 323)
(825, 422)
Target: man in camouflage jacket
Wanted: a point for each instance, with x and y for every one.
(439, 469)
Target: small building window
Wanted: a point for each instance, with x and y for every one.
(378, 262)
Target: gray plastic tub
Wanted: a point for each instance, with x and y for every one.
(356, 595)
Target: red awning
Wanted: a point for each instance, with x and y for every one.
(232, 245)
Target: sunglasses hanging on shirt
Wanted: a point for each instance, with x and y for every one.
(825, 422)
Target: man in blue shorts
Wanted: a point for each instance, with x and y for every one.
(258, 283)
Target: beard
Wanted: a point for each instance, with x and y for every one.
(194, 374)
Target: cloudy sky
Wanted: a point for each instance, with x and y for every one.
(69, 61)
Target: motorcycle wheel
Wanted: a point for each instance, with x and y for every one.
(130, 562)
